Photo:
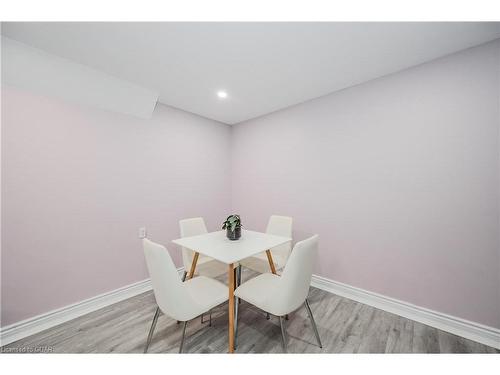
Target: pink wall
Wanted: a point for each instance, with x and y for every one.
(79, 182)
(400, 178)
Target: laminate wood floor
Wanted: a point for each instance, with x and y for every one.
(345, 326)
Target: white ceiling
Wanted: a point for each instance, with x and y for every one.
(264, 67)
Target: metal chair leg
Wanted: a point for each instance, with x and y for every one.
(283, 333)
(309, 312)
(184, 275)
(210, 318)
(268, 316)
(238, 275)
(239, 279)
(202, 319)
(183, 336)
(236, 303)
(151, 330)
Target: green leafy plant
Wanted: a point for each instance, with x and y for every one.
(232, 222)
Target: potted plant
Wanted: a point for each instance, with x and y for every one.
(233, 227)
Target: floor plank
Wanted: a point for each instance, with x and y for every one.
(400, 338)
(377, 333)
(425, 339)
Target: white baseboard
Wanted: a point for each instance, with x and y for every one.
(474, 331)
(36, 324)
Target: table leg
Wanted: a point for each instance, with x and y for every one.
(193, 265)
(270, 260)
(231, 307)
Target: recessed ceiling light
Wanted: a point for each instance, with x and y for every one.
(222, 94)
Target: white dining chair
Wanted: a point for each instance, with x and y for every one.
(182, 301)
(279, 226)
(281, 295)
(205, 265)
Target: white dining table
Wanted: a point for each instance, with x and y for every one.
(217, 246)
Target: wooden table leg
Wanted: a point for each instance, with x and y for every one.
(193, 265)
(270, 260)
(231, 307)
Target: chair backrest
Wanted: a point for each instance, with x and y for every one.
(169, 292)
(280, 226)
(190, 227)
(296, 277)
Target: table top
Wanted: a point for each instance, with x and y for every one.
(217, 246)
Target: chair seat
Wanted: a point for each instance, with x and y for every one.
(260, 263)
(206, 292)
(202, 259)
(260, 292)
(209, 267)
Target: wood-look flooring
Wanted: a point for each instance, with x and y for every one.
(345, 326)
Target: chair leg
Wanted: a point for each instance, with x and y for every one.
(202, 319)
(268, 316)
(238, 275)
(210, 318)
(183, 336)
(184, 275)
(239, 280)
(236, 303)
(283, 333)
(151, 330)
(309, 312)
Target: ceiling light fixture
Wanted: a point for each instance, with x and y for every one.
(222, 94)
